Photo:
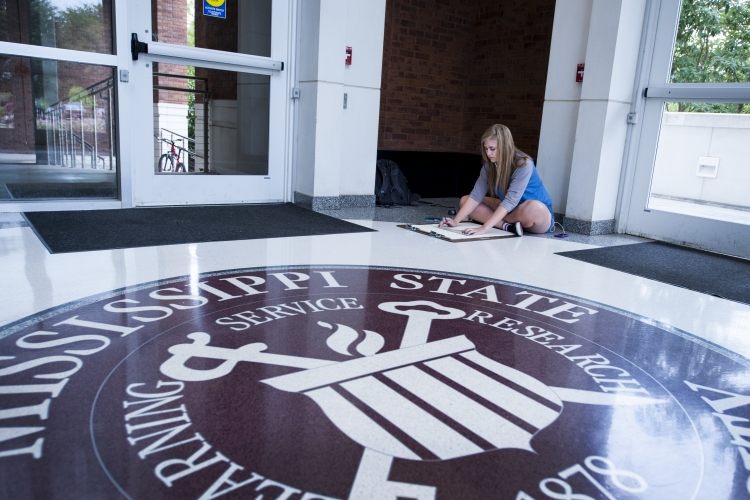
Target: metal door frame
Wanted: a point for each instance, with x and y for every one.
(652, 90)
(149, 189)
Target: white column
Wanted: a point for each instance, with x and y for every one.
(337, 147)
(600, 131)
(570, 32)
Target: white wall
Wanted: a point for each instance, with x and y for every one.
(611, 61)
(365, 32)
(584, 128)
(337, 147)
(200, 149)
(684, 138)
(222, 136)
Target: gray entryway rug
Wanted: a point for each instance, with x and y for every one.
(87, 230)
(714, 274)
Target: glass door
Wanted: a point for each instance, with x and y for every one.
(212, 89)
(58, 103)
(691, 180)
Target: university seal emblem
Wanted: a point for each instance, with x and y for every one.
(320, 383)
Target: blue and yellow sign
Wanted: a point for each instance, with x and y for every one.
(215, 8)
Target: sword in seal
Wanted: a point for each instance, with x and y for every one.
(368, 380)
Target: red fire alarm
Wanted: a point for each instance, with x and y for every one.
(348, 59)
(579, 73)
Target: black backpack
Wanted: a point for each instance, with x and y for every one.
(391, 187)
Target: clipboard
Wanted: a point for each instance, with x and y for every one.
(455, 234)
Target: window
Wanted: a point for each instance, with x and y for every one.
(84, 25)
(57, 130)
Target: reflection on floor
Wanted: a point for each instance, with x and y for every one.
(371, 365)
(11, 219)
(700, 210)
(32, 181)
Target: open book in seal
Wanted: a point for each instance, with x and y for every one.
(455, 234)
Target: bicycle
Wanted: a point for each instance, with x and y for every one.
(172, 161)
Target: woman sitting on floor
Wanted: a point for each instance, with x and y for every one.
(517, 199)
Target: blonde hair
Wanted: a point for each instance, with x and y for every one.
(508, 158)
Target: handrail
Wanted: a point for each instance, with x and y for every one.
(178, 89)
(90, 147)
(186, 77)
(167, 141)
(178, 135)
(207, 97)
(86, 92)
(66, 134)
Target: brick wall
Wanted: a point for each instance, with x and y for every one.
(169, 24)
(512, 43)
(425, 64)
(107, 31)
(218, 34)
(452, 68)
(17, 88)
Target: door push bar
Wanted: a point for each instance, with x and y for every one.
(726, 92)
(137, 47)
(217, 56)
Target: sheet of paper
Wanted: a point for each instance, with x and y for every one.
(456, 232)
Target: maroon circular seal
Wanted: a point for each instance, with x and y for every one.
(316, 383)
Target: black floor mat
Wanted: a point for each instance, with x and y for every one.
(87, 230)
(705, 272)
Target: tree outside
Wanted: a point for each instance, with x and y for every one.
(712, 45)
(80, 27)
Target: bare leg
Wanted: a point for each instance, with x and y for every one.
(484, 210)
(532, 214)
